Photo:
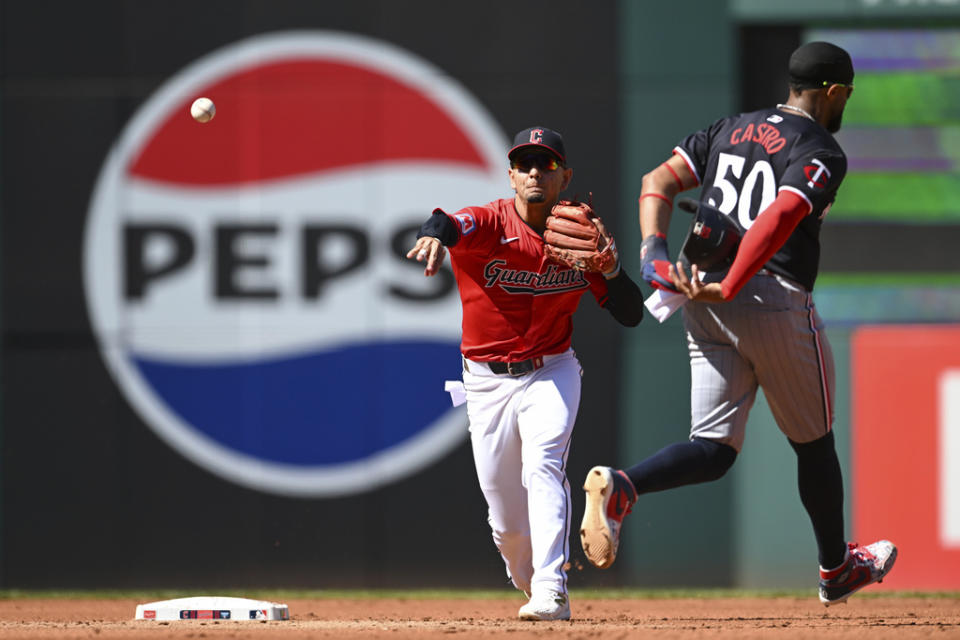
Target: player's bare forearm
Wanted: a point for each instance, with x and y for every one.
(692, 287)
(429, 250)
(655, 206)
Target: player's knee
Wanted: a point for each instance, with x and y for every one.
(543, 473)
(718, 458)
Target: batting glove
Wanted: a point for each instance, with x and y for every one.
(655, 263)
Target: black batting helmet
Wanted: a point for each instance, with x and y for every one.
(713, 238)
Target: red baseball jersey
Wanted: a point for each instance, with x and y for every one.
(517, 304)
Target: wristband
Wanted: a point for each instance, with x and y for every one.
(657, 195)
(439, 226)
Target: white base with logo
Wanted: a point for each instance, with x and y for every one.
(212, 608)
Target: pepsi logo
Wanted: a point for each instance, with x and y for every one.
(246, 278)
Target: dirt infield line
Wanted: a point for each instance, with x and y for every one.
(407, 618)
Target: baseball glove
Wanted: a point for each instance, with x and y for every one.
(575, 237)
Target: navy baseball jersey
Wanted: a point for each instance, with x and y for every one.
(751, 157)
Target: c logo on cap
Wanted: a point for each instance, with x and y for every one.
(536, 136)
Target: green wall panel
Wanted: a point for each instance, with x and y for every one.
(670, 88)
(821, 10)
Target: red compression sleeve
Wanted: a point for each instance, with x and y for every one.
(769, 232)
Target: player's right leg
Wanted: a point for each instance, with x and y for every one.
(611, 493)
(723, 385)
(723, 389)
(550, 403)
(492, 402)
(610, 497)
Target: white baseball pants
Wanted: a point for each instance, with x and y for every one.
(520, 429)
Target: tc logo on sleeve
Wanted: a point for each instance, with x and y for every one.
(246, 278)
(817, 174)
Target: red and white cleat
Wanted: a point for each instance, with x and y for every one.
(610, 497)
(864, 566)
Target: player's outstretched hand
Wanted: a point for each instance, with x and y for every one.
(430, 250)
(692, 287)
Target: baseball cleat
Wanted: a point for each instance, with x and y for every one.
(610, 496)
(864, 566)
(549, 605)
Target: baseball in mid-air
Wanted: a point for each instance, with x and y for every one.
(203, 110)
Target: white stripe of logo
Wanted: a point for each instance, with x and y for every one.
(820, 171)
(950, 458)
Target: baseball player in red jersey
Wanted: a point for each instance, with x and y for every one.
(777, 171)
(522, 379)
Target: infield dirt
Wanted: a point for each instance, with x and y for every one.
(604, 619)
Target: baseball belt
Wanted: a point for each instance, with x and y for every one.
(519, 368)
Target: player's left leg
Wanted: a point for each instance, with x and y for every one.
(820, 483)
(546, 419)
(795, 367)
(794, 364)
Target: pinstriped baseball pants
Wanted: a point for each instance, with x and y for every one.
(769, 336)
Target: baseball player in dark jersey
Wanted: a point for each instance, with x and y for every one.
(520, 375)
(776, 171)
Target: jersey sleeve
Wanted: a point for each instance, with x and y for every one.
(476, 226)
(695, 150)
(815, 175)
(598, 287)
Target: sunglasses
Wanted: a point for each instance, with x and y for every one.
(540, 161)
(839, 84)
